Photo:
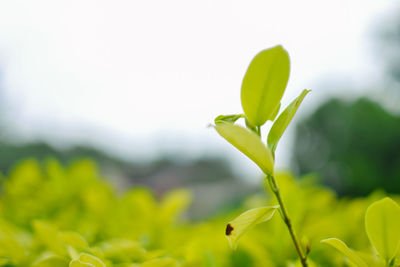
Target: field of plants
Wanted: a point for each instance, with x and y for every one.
(53, 215)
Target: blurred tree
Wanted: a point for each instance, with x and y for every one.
(389, 47)
(354, 147)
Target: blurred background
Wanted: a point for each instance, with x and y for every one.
(134, 84)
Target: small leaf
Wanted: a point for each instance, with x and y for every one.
(173, 204)
(122, 250)
(86, 260)
(244, 222)
(78, 263)
(51, 261)
(228, 118)
(74, 239)
(48, 235)
(345, 250)
(166, 262)
(264, 84)
(382, 223)
(280, 125)
(249, 143)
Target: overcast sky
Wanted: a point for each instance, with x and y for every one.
(141, 77)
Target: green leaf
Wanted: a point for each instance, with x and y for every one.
(74, 239)
(382, 223)
(78, 263)
(122, 250)
(51, 261)
(48, 235)
(249, 143)
(345, 250)
(173, 204)
(166, 262)
(243, 223)
(87, 260)
(228, 118)
(280, 125)
(264, 84)
(275, 113)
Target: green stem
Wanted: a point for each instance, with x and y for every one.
(258, 130)
(286, 219)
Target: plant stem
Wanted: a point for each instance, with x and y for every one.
(258, 130)
(286, 219)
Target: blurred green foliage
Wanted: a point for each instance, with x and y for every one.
(186, 171)
(388, 46)
(12, 151)
(353, 146)
(382, 220)
(52, 215)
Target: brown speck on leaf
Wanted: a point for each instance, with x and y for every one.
(228, 229)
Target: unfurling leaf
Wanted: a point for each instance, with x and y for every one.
(345, 250)
(264, 84)
(228, 118)
(249, 143)
(244, 222)
(280, 125)
(382, 223)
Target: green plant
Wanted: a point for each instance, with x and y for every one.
(352, 145)
(262, 89)
(60, 215)
(382, 224)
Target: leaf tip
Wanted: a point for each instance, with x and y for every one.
(326, 240)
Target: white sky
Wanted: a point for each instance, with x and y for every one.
(142, 77)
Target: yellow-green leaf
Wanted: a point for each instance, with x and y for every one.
(48, 235)
(74, 239)
(264, 84)
(228, 118)
(122, 250)
(87, 260)
(238, 227)
(275, 113)
(345, 250)
(166, 262)
(78, 263)
(51, 261)
(280, 125)
(173, 204)
(382, 223)
(249, 143)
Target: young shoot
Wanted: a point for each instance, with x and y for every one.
(262, 89)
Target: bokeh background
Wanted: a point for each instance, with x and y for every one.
(134, 84)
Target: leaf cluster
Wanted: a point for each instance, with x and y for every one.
(54, 215)
(262, 89)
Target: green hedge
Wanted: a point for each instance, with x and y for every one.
(51, 215)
